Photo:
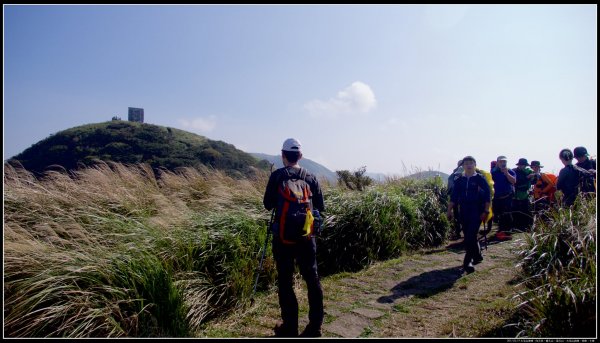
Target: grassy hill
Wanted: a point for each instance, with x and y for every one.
(131, 142)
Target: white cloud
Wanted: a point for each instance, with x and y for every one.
(358, 98)
(199, 123)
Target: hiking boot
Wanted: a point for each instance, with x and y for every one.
(478, 260)
(311, 331)
(469, 268)
(282, 330)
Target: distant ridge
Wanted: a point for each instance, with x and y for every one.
(313, 167)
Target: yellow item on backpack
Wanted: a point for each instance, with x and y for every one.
(308, 224)
(488, 177)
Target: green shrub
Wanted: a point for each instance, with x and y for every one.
(559, 261)
(380, 223)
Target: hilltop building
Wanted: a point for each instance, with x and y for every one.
(136, 114)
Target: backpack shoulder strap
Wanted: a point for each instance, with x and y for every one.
(580, 170)
(303, 173)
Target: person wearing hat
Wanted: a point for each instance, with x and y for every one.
(583, 161)
(471, 193)
(504, 190)
(522, 216)
(543, 188)
(568, 178)
(303, 252)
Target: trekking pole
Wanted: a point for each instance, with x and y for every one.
(484, 237)
(264, 250)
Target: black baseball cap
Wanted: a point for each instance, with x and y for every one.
(580, 152)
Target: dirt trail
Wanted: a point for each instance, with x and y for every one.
(421, 295)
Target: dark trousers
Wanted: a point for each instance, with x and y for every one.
(456, 222)
(305, 255)
(502, 208)
(523, 218)
(470, 218)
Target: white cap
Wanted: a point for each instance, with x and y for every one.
(501, 158)
(292, 144)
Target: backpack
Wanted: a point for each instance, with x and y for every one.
(587, 179)
(540, 184)
(294, 208)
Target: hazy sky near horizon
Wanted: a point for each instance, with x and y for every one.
(392, 87)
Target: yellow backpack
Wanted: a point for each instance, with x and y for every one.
(490, 181)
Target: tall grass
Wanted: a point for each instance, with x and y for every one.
(559, 261)
(380, 223)
(111, 251)
(117, 251)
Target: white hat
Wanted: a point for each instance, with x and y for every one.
(292, 144)
(501, 158)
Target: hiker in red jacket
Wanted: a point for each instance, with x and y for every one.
(543, 188)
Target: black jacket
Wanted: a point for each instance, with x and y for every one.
(568, 184)
(271, 193)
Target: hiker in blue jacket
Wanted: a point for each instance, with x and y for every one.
(471, 193)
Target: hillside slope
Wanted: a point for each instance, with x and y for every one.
(313, 167)
(131, 142)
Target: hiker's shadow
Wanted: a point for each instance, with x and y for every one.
(424, 285)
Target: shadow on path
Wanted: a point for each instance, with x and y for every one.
(424, 285)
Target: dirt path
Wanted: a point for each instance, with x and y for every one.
(420, 295)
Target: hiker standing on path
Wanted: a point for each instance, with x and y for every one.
(471, 193)
(456, 173)
(588, 183)
(287, 248)
(504, 190)
(569, 178)
(543, 189)
(522, 216)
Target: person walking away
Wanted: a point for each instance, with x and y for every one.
(471, 193)
(291, 245)
(504, 190)
(523, 218)
(543, 189)
(588, 182)
(456, 173)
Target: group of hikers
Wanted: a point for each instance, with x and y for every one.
(476, 197)
(516, 195)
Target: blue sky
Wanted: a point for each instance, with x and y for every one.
(392, 87)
